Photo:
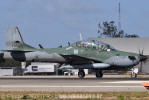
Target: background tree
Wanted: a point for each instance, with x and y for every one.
(131, 36)
(109, 29)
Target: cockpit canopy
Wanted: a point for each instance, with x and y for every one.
(95, 44)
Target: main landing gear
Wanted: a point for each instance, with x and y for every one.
(99, 74)
(81, 73)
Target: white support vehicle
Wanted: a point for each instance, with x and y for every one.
(40, 68)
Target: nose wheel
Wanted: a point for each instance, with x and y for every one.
(99, 74)
(133, 75)
(81, 74)
(134, 72)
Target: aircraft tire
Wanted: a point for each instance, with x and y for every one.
(134, 75)
(99, 74)
(81, 74)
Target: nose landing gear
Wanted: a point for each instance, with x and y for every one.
(134, 72)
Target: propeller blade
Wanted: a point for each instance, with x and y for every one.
(141, 65)
(143, 59)
(139, 52)
(142, 51)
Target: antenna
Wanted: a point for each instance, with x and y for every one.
(81, 38)
(119, 16)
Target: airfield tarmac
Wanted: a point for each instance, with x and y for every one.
(71, 84)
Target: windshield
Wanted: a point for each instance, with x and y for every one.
(95, 45)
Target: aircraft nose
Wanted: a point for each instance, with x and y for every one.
(132, 60)
(124, 61)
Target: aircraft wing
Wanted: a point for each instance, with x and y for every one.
(75, 59)
(78, 62)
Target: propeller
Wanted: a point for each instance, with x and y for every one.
(143, 59)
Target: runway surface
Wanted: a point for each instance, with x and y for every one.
(71, 84)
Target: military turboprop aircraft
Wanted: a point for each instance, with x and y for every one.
(81, 55)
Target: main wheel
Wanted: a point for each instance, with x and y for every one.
(99, 74)
(81, 74)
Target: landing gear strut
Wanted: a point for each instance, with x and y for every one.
(81, 73)
(133, 75)
(99, 74)
(23, 66)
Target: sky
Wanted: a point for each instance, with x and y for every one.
(55, 22)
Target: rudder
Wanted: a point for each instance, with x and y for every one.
(14, 38)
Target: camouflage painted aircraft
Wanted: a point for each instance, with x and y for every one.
(81, 55)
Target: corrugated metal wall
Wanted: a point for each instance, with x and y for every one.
(6, 72)
(127, 44)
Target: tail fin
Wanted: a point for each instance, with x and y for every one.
(14, 38)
